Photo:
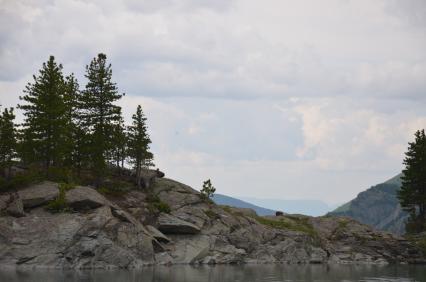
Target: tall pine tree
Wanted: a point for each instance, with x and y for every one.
(45, 122)
(138, 143)
(7, 141)
(72, 135)
(412, 195)
(119, 140)
(98, 112)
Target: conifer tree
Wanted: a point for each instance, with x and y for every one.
(7, 141)
(412, 195)
(119, 140)
(208, 189)
(73, 134)
(138, 143)
(98, 111)
(44, 111)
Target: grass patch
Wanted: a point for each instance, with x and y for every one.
(419, 240)
(211, 214)
(300, 224)
(230, 210)
(59, 204)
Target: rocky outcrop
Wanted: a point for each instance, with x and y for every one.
(38, 195)
(84, 198)
(169, 224)
(135, 229)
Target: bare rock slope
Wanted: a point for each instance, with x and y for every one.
(169, 223)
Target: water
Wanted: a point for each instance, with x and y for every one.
(244, 273)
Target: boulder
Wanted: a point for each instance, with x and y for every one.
(169, 224)
(15, 207)
(84, 198)
(191, 249)
(40, 194)
(148, 177)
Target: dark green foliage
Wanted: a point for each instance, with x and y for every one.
(138, 143)
(70, 135)
(162, 207)
(99, 113)
(208, 190)
(45, 119)
(155, 205)
(412, 195)
(114, 188)
(73, 133)
(20, 181)
(119, 142)
(60, 174)
(8, 143)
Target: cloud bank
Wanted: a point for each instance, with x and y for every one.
(289, 99)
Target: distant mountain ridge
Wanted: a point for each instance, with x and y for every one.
(306, 207)
(301, 206)
(378, 206)
(234, 202)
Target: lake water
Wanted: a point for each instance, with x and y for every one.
(243, 273)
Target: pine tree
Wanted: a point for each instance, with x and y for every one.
(119, 140)
(99, 113)
(44, 111)
(412, 195)
(72, 134)
(208, 190)
(8, 142)
(138, 143)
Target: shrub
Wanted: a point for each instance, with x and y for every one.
(162, 207)
(156, 205)
(19, 181)
(114, 188)
(59, 204)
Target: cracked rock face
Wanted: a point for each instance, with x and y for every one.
(126, 232)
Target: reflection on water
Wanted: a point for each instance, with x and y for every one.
(243, 273)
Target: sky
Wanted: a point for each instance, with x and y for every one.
(269, 99)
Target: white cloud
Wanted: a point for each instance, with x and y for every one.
(260, 96)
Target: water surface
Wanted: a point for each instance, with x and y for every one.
(243, 273)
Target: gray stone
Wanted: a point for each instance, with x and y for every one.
(101, 233)
(191, 249)
(169, 224)
(40, 194)
(84, 198)
(15, 207)
(157, 234)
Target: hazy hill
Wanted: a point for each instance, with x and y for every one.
(233, 202)
(307, 207)
(378, 206)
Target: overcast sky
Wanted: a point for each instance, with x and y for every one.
(273, 99)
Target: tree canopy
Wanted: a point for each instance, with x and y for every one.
(412, 195)
(73, 131)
